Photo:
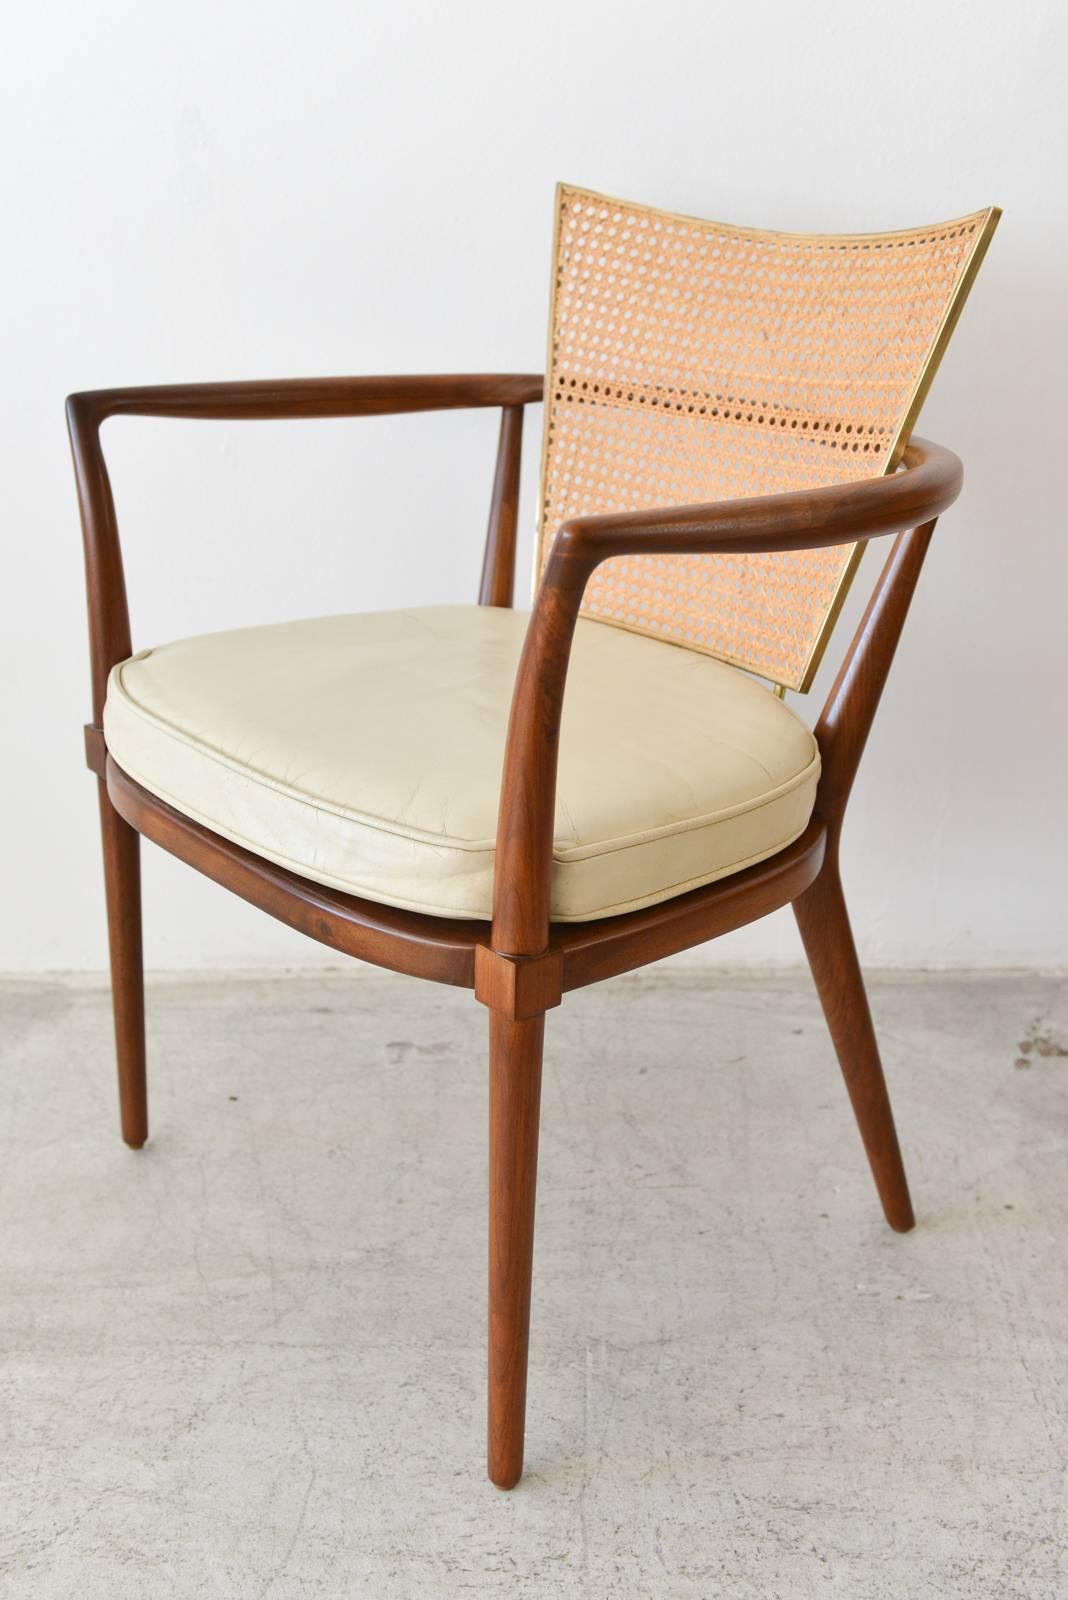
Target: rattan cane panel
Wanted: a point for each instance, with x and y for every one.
(690, 361)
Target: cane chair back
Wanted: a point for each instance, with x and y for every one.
(691, 361)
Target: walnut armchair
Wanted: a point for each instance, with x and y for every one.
(618, 778)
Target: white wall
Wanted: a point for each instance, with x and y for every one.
(224, 189)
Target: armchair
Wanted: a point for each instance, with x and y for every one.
(690, 365)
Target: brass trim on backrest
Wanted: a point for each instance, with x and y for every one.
(692, 361)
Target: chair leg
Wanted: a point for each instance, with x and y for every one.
(514, 1106)
(122, 883)
(828, 940)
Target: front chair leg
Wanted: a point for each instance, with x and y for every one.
(515, 1051)
(122, 883)
(828, 940)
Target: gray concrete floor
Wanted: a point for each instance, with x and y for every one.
(248, 1362)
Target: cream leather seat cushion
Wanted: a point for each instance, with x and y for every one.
(366, 751)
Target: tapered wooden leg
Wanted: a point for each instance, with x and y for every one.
(514, 1106)
(828, 939)
(122, 883)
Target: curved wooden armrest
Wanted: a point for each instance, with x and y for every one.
(805, 519)
(109, 619)
(309, 397)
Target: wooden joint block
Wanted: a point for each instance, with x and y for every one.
(96, 751)
(518, 986)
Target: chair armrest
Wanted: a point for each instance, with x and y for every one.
(308, 397)
(803, 519)
(800, 520)
(109, 620)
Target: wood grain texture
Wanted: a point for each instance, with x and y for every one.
(498, 565)
(515, 1057)
(122, 885)
(828, 939)
(518, 986)
(846, 719)
(842, 733)
(96, 750)
(310, 397)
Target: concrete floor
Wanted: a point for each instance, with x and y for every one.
(247, 1362)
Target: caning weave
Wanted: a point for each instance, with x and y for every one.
(690, 361)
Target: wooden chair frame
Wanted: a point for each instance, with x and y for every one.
(521, 964)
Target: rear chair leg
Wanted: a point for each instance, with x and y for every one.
(514, 1106)
(122, 883)
(824, 924)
